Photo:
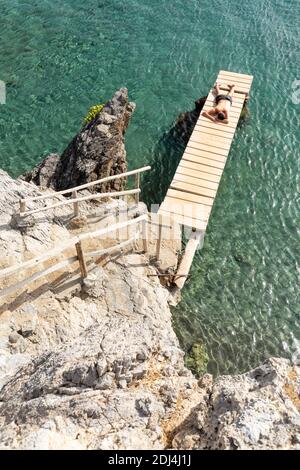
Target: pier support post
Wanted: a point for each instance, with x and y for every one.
(82, 263)
(145, 235)
(22, 205)
(137, 186)
(187, 259)
(159, 240)
(75, 204)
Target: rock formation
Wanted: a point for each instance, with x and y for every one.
(97, 151)
(100, 367)
(255, 410)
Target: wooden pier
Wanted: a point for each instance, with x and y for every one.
(190, 198)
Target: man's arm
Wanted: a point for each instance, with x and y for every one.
(226, 120)
(208, 114)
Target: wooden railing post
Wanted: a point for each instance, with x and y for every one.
(22, 205)
(82, 263)
(137, 186)
(159, 240)
(145, 235)
(75, 204)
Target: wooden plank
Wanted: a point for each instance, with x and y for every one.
(216, 126)
(239, 88)
(208, 148)
(233, 122)
(213, 180)
(213, 132)
(81, 259)
(202, 153)
(187, 210)
(235, 74)
(172, 193)
(38, 275)
(76, 205)
(186, 261)
(215, 141)
(184, 220)
(88, 185)
(83, 198)
(210, 153)
(144, 233)
(111, 249)
(192, 186)
(159, 240)
(203, 184)
(198, 212)
(69, 243)
(204, 171)
(184, 173)
(229, 79)
(204, 161)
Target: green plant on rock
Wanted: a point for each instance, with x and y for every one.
(196, 359)
(93, 111)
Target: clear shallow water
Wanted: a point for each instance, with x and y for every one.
(60, 57)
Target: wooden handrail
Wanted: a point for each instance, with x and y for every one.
(69, 243)
(87, 185)
(83, 198)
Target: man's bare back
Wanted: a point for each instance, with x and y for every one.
(220, 112)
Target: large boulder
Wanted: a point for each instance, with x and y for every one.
(96, 152)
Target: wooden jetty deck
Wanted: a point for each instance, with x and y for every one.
(190, 198)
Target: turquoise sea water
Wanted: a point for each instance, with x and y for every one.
(60, 57)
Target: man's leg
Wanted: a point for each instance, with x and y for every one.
(216, 90)
(231, 90)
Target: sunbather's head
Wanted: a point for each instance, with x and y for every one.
(221, 116)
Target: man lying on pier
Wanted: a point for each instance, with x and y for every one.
(220, 112)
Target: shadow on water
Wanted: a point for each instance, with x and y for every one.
(167, 155)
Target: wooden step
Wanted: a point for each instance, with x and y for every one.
(182, 173)
(184, 220)
(206, 172)
(204, 161)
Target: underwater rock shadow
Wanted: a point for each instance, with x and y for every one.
(167, 155)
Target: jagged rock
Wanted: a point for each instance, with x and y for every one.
(186, 121)
(42, 174)
(255, 410)
(96, 152)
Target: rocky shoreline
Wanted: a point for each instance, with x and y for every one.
(97, 365)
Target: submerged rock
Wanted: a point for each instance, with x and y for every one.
(186, 121)
(96, 152)
(197, 358)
